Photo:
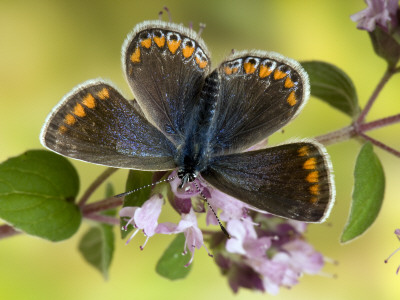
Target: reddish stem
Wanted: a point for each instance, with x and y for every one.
(95, 184)
(378, 89)
(101, 205)
(7, 231)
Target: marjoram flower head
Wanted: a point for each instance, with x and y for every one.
(264, 253)
(381, 20)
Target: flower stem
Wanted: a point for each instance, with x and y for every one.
(380, 145)
(337, 136)
(95, 184)
(101, 205)
(7, 231)
(379, 123)
(103, 219)
(389, 72)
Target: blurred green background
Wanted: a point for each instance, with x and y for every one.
(48, 47)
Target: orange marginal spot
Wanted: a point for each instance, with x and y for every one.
(227, 70)
(314, 189)
(160, 41)
(135, 57)
(291, 99)
(310, 163)
(249, 68)
(202, 63)
(264, 71)
(62, 129)
(188, 51)
(146, 43)
(234, 70)
(314, 200)
(89, 101)
(303, 151)
(312, 177)
(79, 110)
(289, 83)
(173, 46)
(279, 74)
(69, 119)
(103, 94)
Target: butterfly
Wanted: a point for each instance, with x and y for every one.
(200, 121)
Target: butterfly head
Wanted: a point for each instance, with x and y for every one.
(186, 176)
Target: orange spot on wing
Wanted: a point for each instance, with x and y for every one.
(173, 46)
(135, 57)
(69, 119)
(234, 70)
(314, 189)
(289, 83)
(79, 110)
(160, 41)
(62, 129)
(89, 101)
(227, 70)
(291, 99)
(264, 71)
(310, 163)
(249, 68)
(187, 51)
(202, 63)
(103, 94)
(314, 200)
(146, 43)
(303, 151)
(279, 74)
(312, 177)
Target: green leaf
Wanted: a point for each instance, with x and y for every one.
(37, 194)
(136, 179)
(97, 247)
(333, 86)
(172, 263)
(369, 187)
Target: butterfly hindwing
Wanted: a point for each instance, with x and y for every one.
(96, 124)
(165, 65)
(292, 180)
(259, 92)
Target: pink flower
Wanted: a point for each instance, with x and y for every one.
(267, 255)
(397, 233)
(244, 239)
(378, 12)
(187, 225)
(145, 217)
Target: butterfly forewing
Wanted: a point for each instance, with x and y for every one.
(292, 181)
(95, 123)
(165, 65)
(259, 93)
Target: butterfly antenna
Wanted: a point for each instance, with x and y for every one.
(144, 187)
(167, 11)
(212, 209)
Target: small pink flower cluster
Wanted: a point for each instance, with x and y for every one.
(264, 253)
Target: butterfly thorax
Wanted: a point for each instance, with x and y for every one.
(193, 156)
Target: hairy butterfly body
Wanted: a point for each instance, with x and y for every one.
(200, 121)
